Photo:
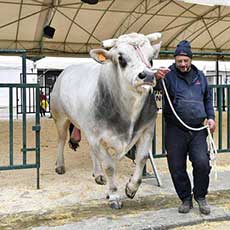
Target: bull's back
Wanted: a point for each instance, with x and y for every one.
(75, 88)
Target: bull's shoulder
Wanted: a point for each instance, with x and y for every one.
(148, 113)
(108, 110)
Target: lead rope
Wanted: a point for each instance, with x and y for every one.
(211, 144)
(142, 56)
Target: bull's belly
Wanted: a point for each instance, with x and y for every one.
(117, 145)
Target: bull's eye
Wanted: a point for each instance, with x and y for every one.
(151, 62)
(122, 61)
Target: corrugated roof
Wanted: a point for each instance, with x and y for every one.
(81, 27)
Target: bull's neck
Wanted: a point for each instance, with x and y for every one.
(118, 107)
(129, 99)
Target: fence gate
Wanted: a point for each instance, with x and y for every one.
(19, 155)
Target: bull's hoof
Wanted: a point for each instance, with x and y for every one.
(115, 204)
(129, 193)
(60, 170)
(100, 180)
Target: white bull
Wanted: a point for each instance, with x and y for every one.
(111, 100)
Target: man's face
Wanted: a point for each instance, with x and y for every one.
(183, 63)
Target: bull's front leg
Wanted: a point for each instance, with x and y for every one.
(113, 196)
(142, 148)
(110, 171)
(97, 170)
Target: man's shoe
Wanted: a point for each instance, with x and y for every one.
(185, 206)
(203, 206)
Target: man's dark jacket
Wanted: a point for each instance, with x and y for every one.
(190, 96)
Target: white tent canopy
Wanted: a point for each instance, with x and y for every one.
(11, 72)
(209, 2)
(14, 62)
(81, 27)
(61, 63)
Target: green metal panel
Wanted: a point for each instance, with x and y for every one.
(36, 128)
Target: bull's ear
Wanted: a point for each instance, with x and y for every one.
(109, 43)
(156, 50)
(100, 55)
(154, 38)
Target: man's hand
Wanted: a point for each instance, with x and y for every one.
(161, 72)
(212, 125)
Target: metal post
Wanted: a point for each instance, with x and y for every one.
(24, 107)
(228, 118)
(219, 99)
(11, 129)
(217, 81)
(155, 170)
(163, 135)
(37, 140)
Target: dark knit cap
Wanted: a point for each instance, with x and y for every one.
(183, 49)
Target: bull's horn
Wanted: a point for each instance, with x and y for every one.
(108, 43)
(154, 37)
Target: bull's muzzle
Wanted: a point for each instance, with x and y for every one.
(146, 78)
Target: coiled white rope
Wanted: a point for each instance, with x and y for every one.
(211, 144)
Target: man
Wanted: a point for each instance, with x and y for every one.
(192, 100)
(43, 104)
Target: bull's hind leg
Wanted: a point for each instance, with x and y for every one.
(143, 146)
(62, 126)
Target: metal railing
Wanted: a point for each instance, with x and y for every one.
(31, 98)
(222, 133)
(36, 128)
(12, 88)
